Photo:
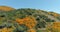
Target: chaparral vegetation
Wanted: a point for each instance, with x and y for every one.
(28, 20)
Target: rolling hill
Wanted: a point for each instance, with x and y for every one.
(25, 19)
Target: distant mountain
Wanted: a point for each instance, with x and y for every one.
(25, 19)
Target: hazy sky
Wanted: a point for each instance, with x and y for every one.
(50, 5)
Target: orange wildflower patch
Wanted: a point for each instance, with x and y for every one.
(6, 8)
(30, 22)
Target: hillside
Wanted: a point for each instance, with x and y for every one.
(25, 19)
(6, 8)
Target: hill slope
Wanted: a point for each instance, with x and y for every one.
(6, 8)
(26, 19)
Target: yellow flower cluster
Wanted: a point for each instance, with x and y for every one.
(54, 28)
(7, 29)
(31, 30)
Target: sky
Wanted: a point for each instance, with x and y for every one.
(47, 5)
